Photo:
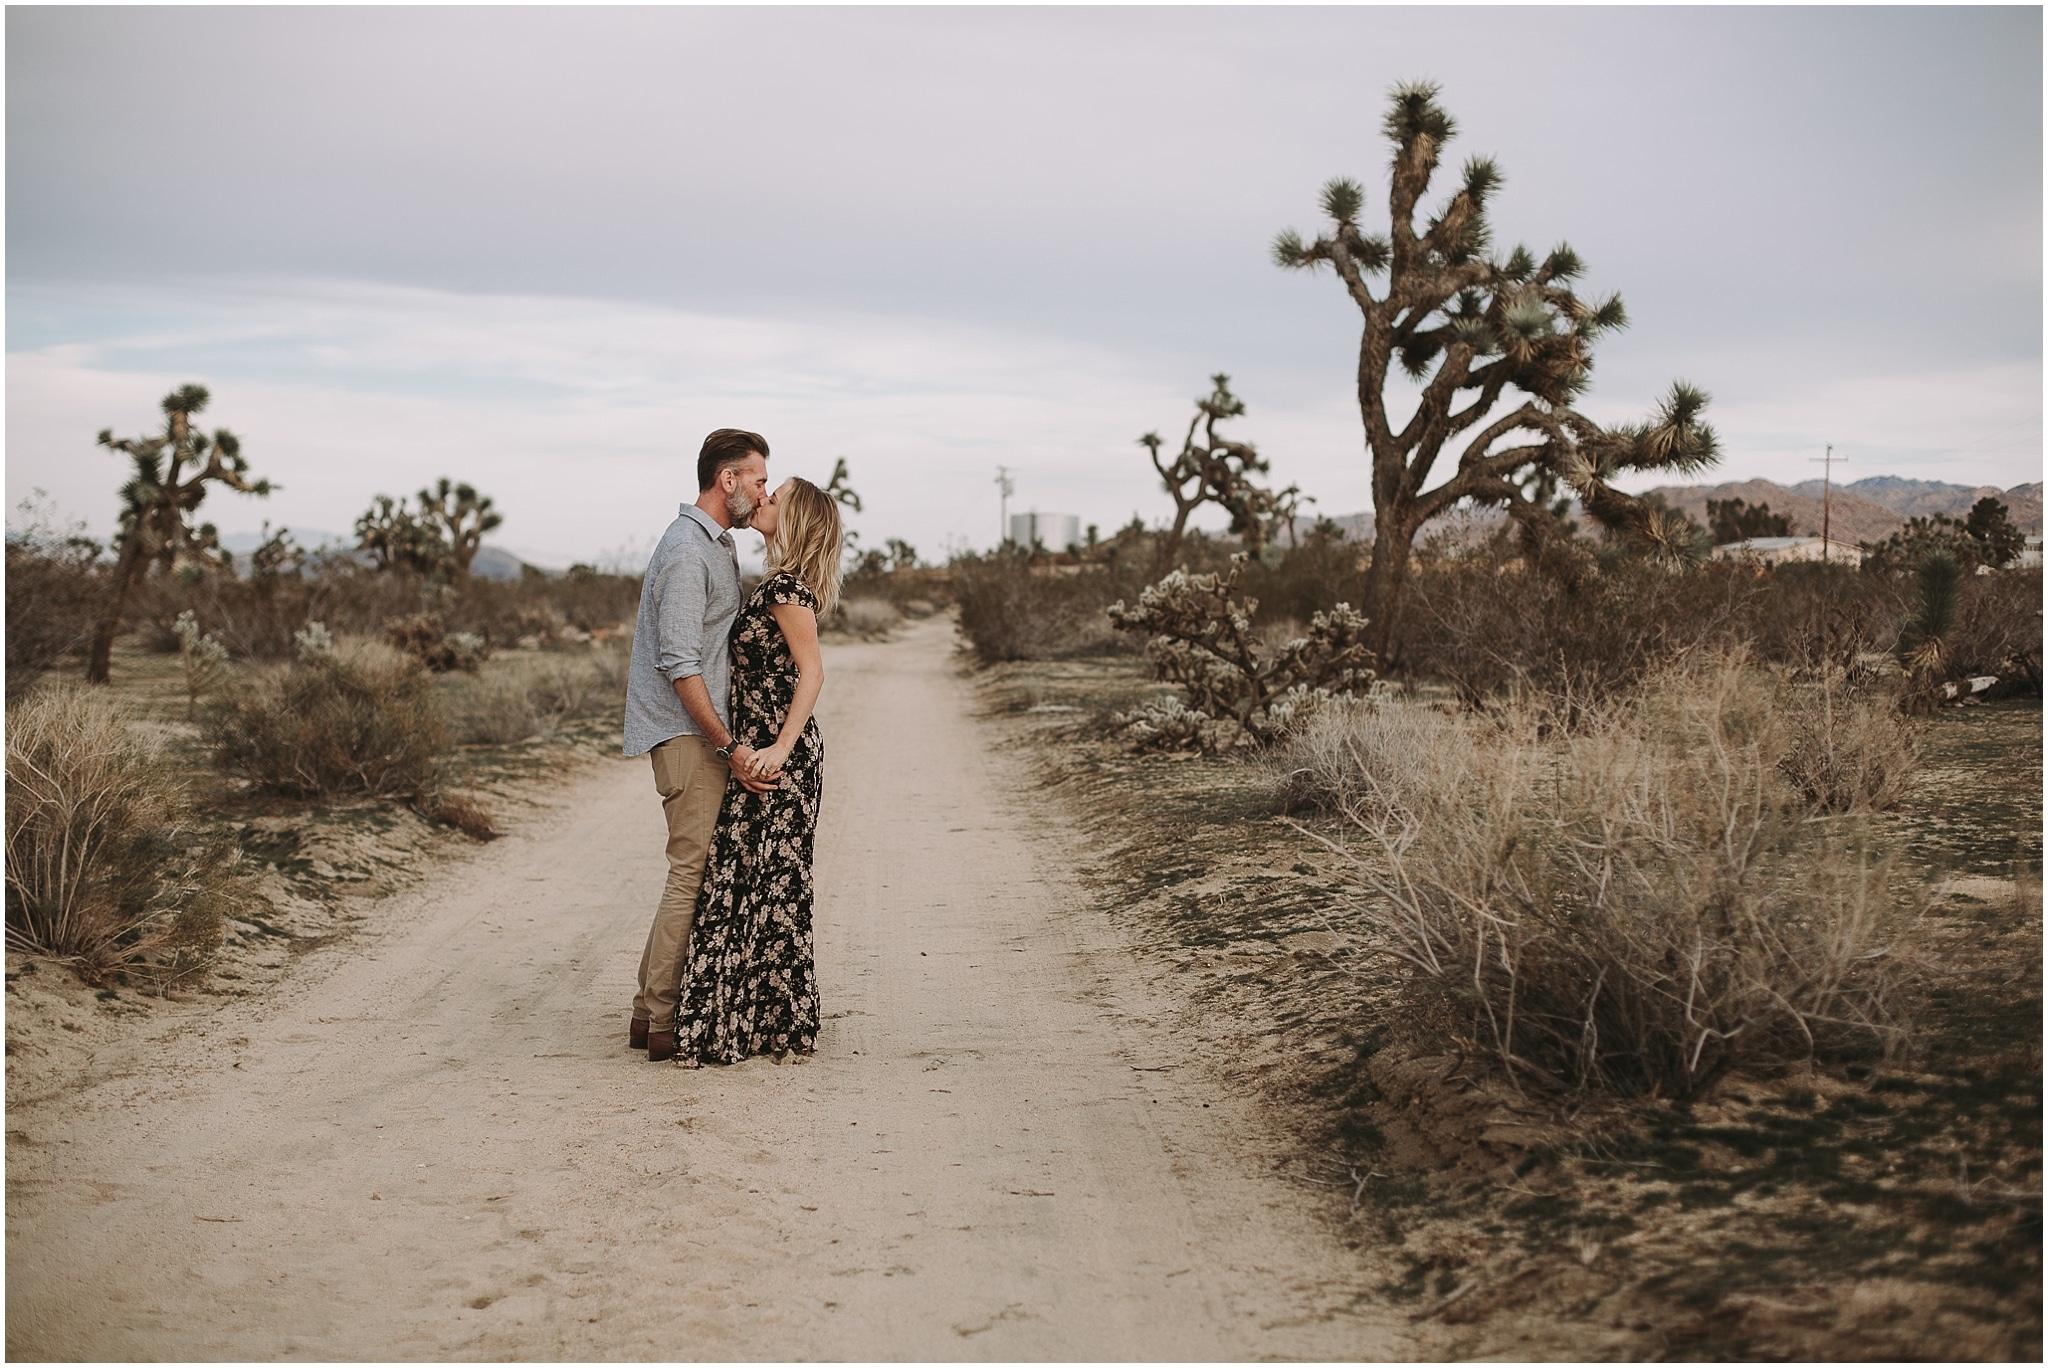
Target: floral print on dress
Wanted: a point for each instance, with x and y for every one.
(752, 984)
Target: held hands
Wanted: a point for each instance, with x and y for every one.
(759, 771)
(766, 765)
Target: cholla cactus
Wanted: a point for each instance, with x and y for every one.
(1203, 640)
(314, 641)
(466, 651)
(1167, 725)
(205, 659)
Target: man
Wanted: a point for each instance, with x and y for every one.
(678, 711)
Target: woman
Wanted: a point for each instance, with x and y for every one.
(751, 986)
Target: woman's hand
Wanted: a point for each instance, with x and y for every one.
(765, 766)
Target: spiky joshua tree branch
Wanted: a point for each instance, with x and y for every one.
(1476, 330)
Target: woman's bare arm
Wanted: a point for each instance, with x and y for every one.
(800, 629)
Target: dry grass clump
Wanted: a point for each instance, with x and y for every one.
(105, 869)
(1356, 753)
(348, 717)
(1637, 906)
(525, 695)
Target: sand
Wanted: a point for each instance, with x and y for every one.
(431, 1141)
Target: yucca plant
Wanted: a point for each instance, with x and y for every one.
(1470, 325)
(1923, 636)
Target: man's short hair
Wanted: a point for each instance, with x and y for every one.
(723, 448)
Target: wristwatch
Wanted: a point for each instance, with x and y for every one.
(724, 752)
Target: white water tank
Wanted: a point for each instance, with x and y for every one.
(1053, 531)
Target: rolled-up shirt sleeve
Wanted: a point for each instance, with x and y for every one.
(679, 634)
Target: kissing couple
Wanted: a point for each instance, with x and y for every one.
(719, 696)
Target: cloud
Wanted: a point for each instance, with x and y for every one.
(582, 417)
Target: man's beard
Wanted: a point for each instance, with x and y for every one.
(739, 508)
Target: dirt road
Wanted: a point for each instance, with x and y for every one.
(432, 1142)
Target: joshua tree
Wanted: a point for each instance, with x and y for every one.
(1217, 470)
(169, 483)
(839, 488)
(396, 538)
(1468, 325)
(460, 516)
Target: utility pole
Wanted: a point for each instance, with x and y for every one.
(1827, 493)
(1008, 487)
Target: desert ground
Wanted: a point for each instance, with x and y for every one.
(428, 1139)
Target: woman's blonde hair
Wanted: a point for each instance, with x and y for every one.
(808, 541)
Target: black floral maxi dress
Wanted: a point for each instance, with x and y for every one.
(752, 984)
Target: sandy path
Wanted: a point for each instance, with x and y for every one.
(433, 1142)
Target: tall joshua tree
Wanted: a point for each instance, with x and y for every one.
(1216, 470)
(171, 473)
(461, 516)
(1470, 325)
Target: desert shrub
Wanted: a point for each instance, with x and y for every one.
(1314, 577)
(551, 607)
(106, 869)
(1203, 640)
(1997, 629)
(870, 619)
(1567, 626)
(53, 603)
(494, 711)
(1848, 749)
(255, 617)
(459, 811)
(426, 638)
(1822, 618)
(1637, 906)
(1011, 609)
(530, 693)
(353, 717)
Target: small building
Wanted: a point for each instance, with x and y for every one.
(2030, 554)
(1785, 550)
(1055, 532)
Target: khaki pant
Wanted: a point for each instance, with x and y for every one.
(690, 778)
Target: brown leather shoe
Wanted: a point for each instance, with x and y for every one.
(660, 1045)
(636, 1034)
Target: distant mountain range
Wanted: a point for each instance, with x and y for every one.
(491, 563)
(1866, 510)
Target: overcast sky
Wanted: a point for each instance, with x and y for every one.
(547, 250)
